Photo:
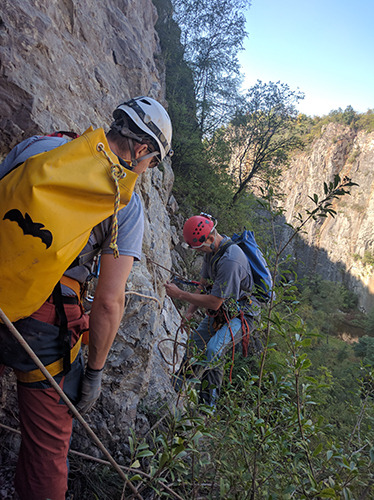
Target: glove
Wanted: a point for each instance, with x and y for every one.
(91, 389)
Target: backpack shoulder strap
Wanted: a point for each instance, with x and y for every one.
(216, 257)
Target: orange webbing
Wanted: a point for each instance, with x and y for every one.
(72, 284)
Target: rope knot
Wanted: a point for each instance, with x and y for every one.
(117, 173)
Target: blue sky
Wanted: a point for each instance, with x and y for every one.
(323, 47)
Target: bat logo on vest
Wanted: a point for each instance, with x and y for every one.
(28, 226)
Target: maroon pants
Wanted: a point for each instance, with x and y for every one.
(46, 424)
(46, 428)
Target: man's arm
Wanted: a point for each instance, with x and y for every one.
(105, 317)
(195, 299)
(107, 307)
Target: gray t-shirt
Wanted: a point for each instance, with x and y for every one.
(231, 276)
(130, 218)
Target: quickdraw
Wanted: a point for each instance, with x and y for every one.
(181, 281)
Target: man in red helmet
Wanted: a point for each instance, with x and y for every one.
(226, 266)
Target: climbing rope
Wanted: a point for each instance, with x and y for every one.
(105, 462)
(233, 344)
(145, 296)
(246, 333)
(13, 330)
(117, 172)
(176, 343)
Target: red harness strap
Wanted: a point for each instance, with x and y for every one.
(245, 336)
(233, 344)
(61, 133)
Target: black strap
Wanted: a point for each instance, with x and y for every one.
(64, 334)
(222, 249)
(86, 257)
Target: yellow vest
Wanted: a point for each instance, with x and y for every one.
(48, 207)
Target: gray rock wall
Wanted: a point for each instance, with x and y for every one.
(67, 65)
(335, 247)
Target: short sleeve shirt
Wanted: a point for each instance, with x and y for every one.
(130, 218)
(232, 277)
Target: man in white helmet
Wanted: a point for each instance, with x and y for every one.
(140, 137)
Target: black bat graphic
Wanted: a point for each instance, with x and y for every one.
(28, 226)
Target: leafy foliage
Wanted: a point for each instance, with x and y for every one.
(212, 35)
(365, 349)
(369, 323)
(298, 422)
(312, 127)
(198, 186)
(263, 132)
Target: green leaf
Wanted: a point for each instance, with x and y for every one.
(145, 453)
(131, 444)
(137, 477)
(180, 455)
(318, 450)
(259, 421)
(143, 446)
(306, 363)
(327, 493)
(164, 458)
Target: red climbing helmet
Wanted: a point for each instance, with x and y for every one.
(196, 229)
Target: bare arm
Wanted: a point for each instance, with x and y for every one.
(107, 307)
(195, 299)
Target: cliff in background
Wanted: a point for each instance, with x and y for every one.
(65, 66)
(336, 247)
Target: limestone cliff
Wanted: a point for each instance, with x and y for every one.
(66, 65)
(336, 247)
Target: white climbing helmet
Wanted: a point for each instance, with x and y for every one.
(151, 117)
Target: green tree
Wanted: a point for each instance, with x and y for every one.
(212, 35)
(179, 91)
(369, 323)
(365, 349)
(200, 185)
(263, 132)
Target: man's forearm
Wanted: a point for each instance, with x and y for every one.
(104, 324)
(201, 300)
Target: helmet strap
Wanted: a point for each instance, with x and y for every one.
(134, 161)
(213, 233)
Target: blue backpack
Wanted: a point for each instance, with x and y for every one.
(261, 274)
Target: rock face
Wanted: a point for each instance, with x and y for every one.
(65, 66)
(335, 247)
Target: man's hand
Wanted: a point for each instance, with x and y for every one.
(173, 291)
(91, 389)
(196, 299)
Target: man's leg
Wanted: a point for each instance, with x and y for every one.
(217, 346)
(198, 341)
(46, 427)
